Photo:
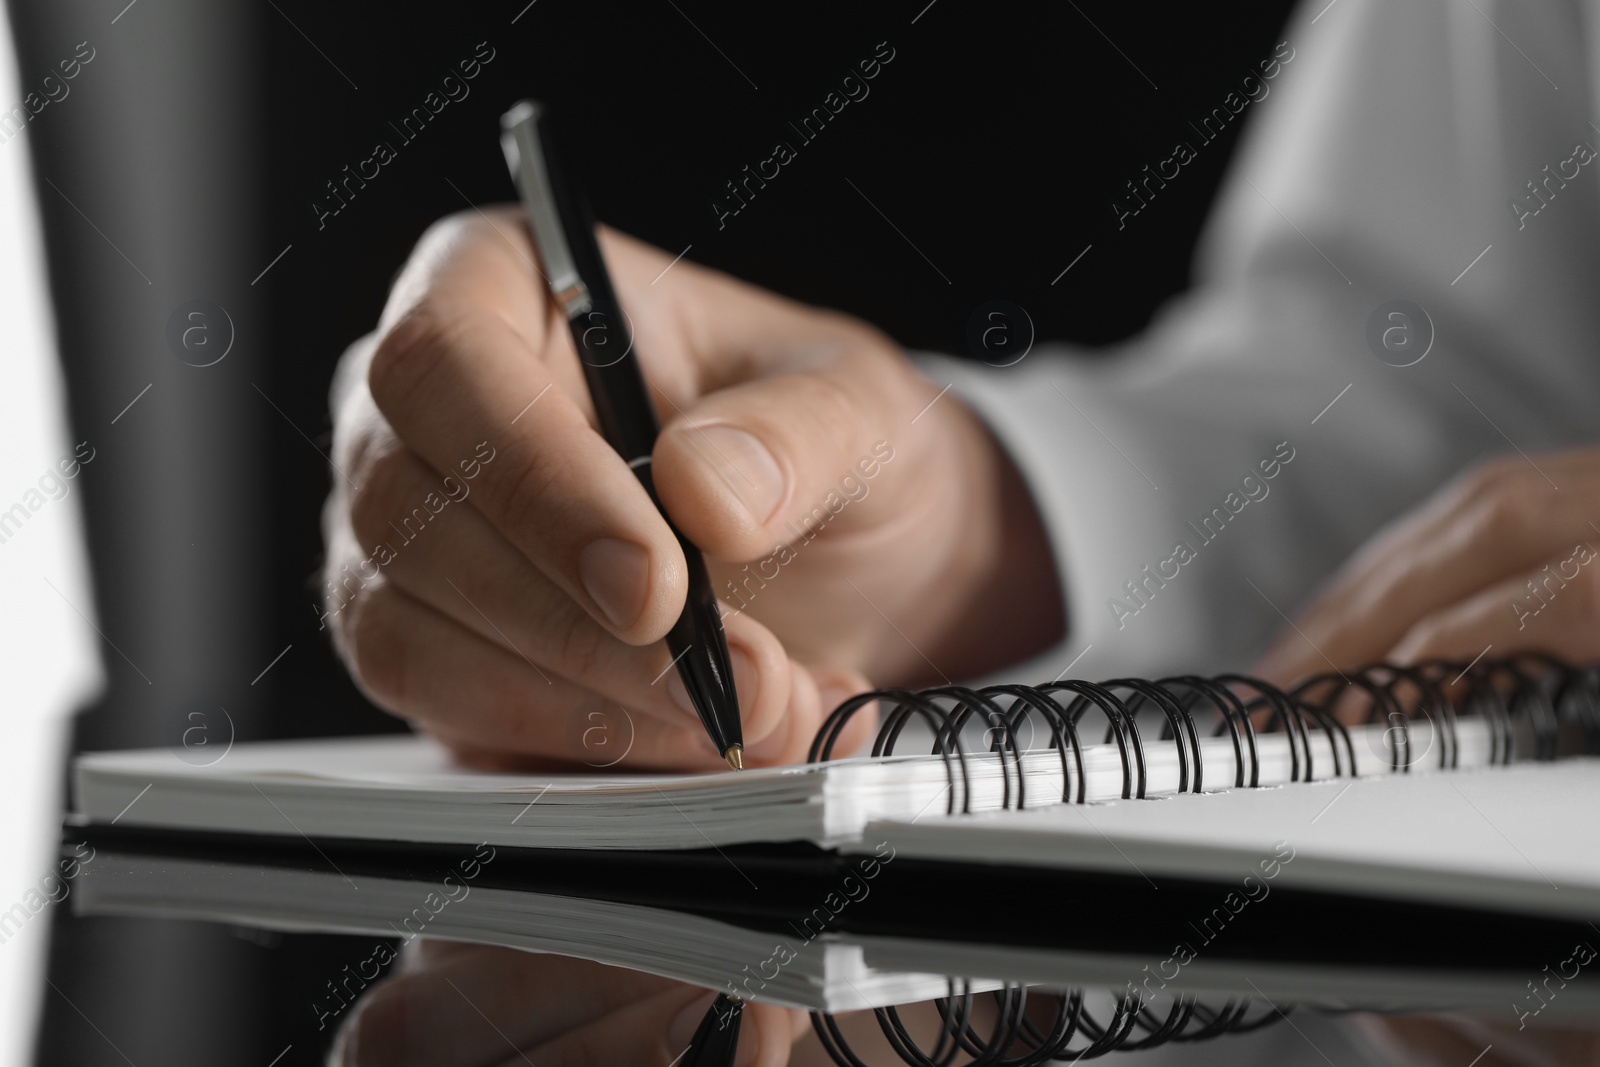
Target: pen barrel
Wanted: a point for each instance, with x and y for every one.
(616, 382)
(716, 1041)
(712, 670)
(601, 332)
(703, 670)
(574, 268)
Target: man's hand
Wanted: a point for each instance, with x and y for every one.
(1502, 561)
(497, 575)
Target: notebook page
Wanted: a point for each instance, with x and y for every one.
(1524, 837)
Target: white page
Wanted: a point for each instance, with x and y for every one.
(1525, 837)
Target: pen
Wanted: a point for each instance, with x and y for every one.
(716, 1040)
(563, 231)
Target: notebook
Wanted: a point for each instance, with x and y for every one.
(1051, 799)
(889, 925)
(406, 788)
(1238, 837)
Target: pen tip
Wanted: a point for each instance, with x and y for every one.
(735, 757)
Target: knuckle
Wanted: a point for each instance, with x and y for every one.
(1502, 502)
(1490, 481)
(527, 499)
(359, 429)
(831, 407)
(1425, 635)
(382, 495)
(1499, 518)
(349, 387)
(578, 644)
(447, 229)
(340, 594)
(376, 651)
(409, 351)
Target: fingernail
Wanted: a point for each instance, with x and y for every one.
(749, 469)
(616, 575)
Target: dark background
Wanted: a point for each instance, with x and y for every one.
(989, 148)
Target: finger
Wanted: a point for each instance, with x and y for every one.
(492, 703)
(510, 604)
(821, 689)
(1555, 610)
(471, 363)
(608, 734)
(656, 1033)
(805, 476)
(767, 404)
(458, 563)
(1499, 520)
(780, 458)
(470, 1007)
(424, 667)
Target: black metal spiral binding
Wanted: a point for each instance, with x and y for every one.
(1537, 691)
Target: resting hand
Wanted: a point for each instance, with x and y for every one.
(1502, 561)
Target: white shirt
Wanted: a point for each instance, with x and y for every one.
(1381, 166)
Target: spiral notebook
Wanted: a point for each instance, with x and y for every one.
(1216, 749)
(1237, 839)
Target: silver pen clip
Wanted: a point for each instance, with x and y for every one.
(519, 139)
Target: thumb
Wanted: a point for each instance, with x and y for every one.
(778, 458)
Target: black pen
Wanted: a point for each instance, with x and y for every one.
(716, 1040)
(563, 230)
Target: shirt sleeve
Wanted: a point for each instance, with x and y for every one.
(1199, 482)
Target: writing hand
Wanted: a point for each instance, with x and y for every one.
(856, 526)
